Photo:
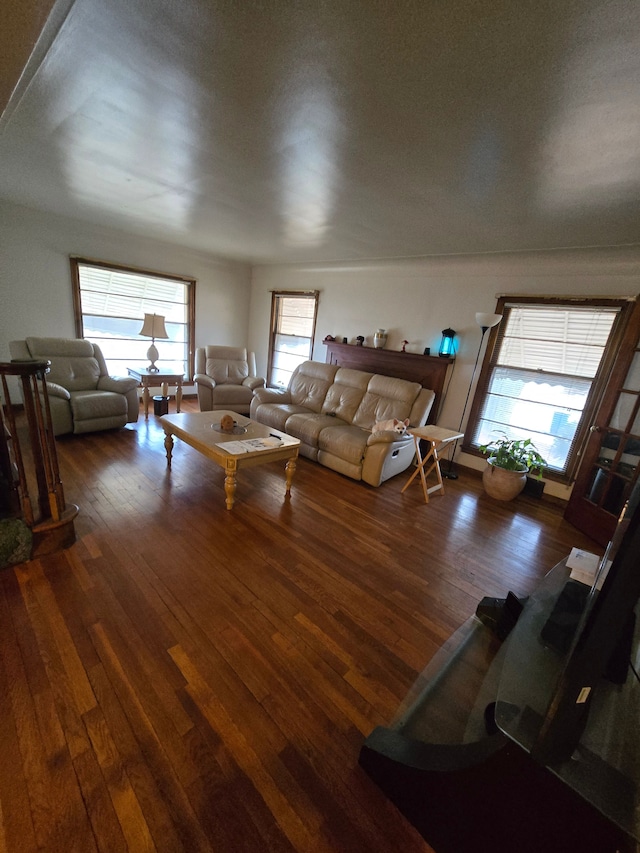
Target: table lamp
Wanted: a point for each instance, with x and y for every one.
(153, 327)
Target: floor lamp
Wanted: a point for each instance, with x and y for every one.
(486, 322)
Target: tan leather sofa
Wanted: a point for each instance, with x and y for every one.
(225, 378)
(332, 410)
(82, 395)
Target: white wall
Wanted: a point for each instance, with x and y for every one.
(35, 279)
(416, 299)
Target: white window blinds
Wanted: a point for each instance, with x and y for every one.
(113, 302)
(541, 375)
(294, 318)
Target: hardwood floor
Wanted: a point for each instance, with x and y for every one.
(188, 678)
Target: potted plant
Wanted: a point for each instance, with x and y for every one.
(508, 463)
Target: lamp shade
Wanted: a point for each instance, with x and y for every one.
(487, 321)
(153, 326)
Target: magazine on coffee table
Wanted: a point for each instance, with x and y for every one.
(248, 445)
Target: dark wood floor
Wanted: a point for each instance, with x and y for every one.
(189, 678)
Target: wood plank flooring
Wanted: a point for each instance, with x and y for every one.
(185, 678)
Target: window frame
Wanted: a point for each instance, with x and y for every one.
(599, 382)
(273, 327)
(76, 261)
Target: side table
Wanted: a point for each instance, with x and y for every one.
(173, 375)
(437, 438)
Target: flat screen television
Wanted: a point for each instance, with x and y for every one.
(601, 642)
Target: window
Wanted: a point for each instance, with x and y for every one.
(545, 373)
(293, 323)
(110, 302)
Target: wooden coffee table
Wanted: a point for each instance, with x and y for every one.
(201, 430)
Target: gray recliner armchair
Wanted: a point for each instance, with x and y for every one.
(82, 395)
(226, 378)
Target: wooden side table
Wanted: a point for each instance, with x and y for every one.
(437, 438)
(174, 375)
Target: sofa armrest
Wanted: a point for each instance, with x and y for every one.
(421, 407)
(271, 395)
(253, 382)
(56, 390)
(387, 436)
(204, 380)
(117, 384)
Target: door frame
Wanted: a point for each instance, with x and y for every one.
(587, 516)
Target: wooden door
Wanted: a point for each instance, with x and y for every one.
(611, 458)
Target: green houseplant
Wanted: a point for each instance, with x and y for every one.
(508, 463)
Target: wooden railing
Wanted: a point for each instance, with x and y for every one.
(31, 486)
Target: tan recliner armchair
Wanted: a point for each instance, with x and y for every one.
(82, 395)
(226, 378)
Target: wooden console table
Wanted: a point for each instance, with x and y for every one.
(429, 370)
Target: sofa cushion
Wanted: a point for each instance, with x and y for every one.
(70, 347)
(226, 364)
(346, 393)
(73, 364)
(276, 414)
(75, 374)
(233, 395)
(307, 426)
(348, 442)
(386, 397)
(93, 405)
(310, 383)
(341, 466)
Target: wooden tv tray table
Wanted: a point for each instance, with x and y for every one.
(200, 430)
(173, 375)
(437, 437)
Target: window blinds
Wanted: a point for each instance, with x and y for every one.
(541, 374)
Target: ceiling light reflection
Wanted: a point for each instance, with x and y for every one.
(310, 147)
(123, 123)
(591, 153)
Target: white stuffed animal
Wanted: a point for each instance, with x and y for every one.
(393, 425)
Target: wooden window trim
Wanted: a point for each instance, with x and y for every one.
(300, 294)
(626, 305)
(76, 261)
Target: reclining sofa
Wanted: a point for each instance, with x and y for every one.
(332, 410)
(82, 395)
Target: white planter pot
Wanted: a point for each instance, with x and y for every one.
(501, 484)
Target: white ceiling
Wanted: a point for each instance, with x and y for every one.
(304, 130)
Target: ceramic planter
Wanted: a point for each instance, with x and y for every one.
(501, 484)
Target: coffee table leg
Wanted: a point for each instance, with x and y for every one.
(230, 482)
(168, 445)
(290, 469)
